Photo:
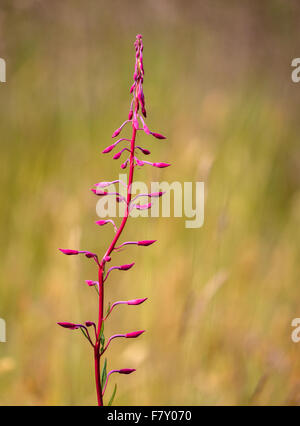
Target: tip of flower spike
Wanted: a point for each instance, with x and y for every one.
(69, 252)
(146, 243)
(136, 301)
(126, 267)
(68, 325)
(89, 323)
(158, 135)
(126, 370)
(134, 334)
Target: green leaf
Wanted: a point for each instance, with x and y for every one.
(108, 308)
(104, 373)
(102, 342)
(102, 328)
(84, 333)
(101, 337)
(112, 396)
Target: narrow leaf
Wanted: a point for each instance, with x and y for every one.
(112, 396)
(104, 373)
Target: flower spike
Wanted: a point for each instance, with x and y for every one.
(131, 150)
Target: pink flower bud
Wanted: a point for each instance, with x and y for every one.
(143, 206)
(117, 132)
(156, 194)
(69, 325)
(147, 131)
(146, 243)
(158, 135)
(91, 283)
(144, 151)
(88, 254)
(124, 165)
(139, 162)
(89, 323)
(145, 127)
(161, 165)
(108, 149)
(104, 222)
(117, 156)
(130, 115)
(136, 301)
(134, 334)
(98, 191)
(107, 258)
(69, 252)
(101, 222)
(126, 267)
(126, 370)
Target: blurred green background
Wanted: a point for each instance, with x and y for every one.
(222, 297)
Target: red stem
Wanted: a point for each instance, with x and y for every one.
(97, 354)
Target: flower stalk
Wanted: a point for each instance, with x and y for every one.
(137, 123)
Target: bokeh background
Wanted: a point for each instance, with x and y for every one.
(222, 297)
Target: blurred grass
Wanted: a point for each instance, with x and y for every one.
(221, 298)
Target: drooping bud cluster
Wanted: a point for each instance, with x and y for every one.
(136, 119)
